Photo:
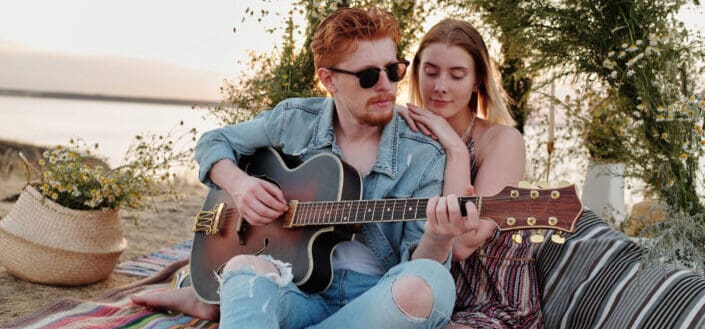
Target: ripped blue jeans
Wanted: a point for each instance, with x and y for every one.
(353, 300)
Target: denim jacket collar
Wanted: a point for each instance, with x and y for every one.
(324, 136)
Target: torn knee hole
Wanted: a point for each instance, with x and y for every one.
(260, 266)
(413, 296)
(252, 263)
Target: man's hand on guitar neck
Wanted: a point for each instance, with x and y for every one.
(258, 201)
(444, 223)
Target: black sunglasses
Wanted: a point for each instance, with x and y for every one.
(369, 77)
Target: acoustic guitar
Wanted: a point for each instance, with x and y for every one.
(325, 209)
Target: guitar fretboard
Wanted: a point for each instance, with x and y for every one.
(363, 211)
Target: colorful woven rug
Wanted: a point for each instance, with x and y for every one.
(112, 310)
(153, 263)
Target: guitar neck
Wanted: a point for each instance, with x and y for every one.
(365, 211)
(513, 208)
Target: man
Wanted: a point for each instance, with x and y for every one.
(392, 275)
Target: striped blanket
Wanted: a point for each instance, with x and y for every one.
(112, 310)
(592, 281)
(156, 261)
(595, 280)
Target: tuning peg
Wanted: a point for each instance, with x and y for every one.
(537, 237)
(516, 237)
(557, 238)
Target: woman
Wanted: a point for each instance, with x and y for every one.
(463, 106)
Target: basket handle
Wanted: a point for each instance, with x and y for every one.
(30, 168)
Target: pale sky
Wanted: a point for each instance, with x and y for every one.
(194, 34)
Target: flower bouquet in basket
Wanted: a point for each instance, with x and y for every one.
(64, 228)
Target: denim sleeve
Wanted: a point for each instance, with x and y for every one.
(431, 185)
(234, 141)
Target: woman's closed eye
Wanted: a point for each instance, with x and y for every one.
(458, 74)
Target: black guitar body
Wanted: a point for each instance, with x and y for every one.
(309, 249)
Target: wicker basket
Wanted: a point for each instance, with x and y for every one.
(42, 241)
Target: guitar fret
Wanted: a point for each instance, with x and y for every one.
(326, 213)
(401, 205)
(333, 213)
(310, 208)
(357, 210)
(406, 207)
(380, 205)
(416, 210)
(321, 213)
(390, 210)
(316, 210)
(338, 212)
(300, 214)
(413, 208)
(403, 214)
(314, 213)
(393, 207)
(349, 205)
(374, 211)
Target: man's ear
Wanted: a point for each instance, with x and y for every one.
(326, 78)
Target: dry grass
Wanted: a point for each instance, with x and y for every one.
(152, 231)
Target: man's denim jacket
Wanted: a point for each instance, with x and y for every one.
(409, 164)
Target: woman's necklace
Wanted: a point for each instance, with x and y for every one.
(468, 131)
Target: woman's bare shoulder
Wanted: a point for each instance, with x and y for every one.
(497, 135)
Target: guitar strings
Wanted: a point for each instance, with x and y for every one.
(325, 212)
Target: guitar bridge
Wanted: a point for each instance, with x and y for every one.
(208, 221)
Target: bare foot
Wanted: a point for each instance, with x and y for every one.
(182, 300)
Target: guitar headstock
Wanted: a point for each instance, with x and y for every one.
(528, 208)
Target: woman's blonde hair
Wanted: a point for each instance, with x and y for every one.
(490, 101)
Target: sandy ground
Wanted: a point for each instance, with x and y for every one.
(170, 225)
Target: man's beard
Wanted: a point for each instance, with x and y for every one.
(379, 118)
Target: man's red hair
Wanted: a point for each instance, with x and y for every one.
(338, 34)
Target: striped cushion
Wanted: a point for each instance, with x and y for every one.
(594, 280)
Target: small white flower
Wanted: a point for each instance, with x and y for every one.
(613, 75)
(630, 73)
